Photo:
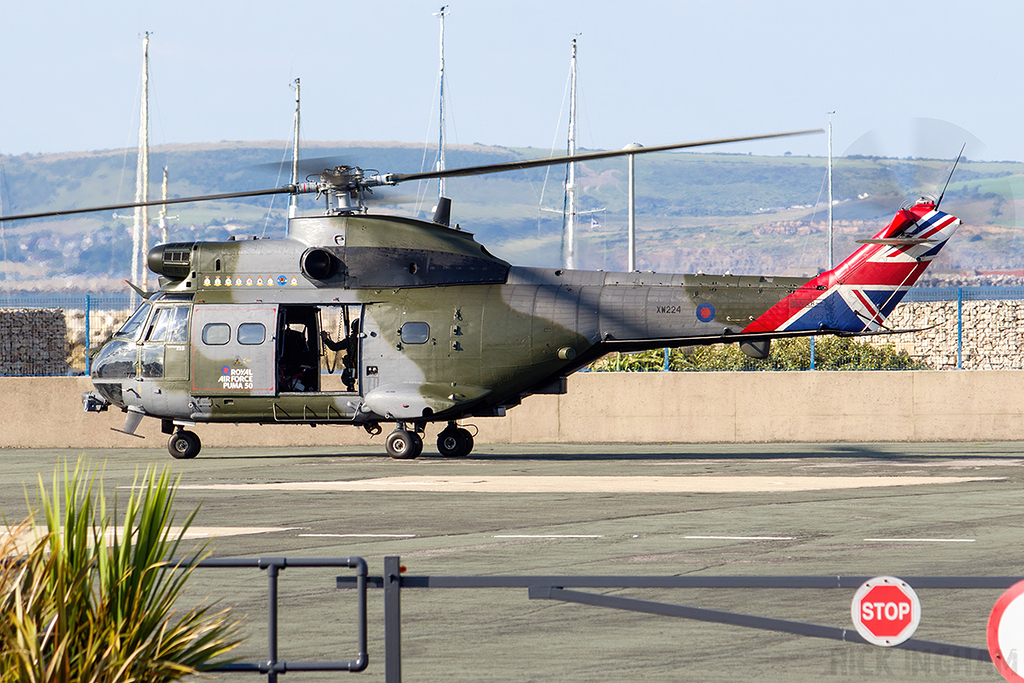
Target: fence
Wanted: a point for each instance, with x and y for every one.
(971, 328)
(89, 319)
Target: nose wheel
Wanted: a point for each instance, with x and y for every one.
(183, 445)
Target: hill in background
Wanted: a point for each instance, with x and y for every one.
(710, 212)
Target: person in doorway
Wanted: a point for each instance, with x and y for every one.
(350, 346)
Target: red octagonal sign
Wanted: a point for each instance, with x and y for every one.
(885, 611)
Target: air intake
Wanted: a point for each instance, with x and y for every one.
(171, 260)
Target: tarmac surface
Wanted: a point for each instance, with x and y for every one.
(941, 509)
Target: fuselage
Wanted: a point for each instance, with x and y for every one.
(443, 329)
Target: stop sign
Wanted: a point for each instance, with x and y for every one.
(885, 611)
(1005, 633)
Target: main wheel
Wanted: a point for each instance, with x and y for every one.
(417, 444)
(184, 445)
(401, 445)
(456, 443)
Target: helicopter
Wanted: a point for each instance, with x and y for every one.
(433, 327)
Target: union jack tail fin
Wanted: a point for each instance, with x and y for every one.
(858, 294)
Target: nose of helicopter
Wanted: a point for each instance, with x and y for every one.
(113, 363)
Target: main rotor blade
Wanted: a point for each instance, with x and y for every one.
(287, 189)
(586, 156)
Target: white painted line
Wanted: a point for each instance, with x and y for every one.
(548, 536)
(921, 540)
(741, 538)
(358, 535)
(590, 484)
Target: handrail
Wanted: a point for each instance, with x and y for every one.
(272, 666)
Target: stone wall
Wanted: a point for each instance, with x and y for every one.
(993, 333)
(33, 342)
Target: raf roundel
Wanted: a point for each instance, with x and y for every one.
(226, 370)
(705, 313)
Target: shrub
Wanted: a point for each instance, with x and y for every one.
(831, 353)
(86, 601)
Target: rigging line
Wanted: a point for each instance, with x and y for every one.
(132, 125)
(554, 141)
(422, 185)
(449, 113)
(277, 183)
(814, 213)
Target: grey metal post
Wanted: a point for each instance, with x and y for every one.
(272, 570)
(392, 620)
(87, 316)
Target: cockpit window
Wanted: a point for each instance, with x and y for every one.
(170, 324)
(133, 327)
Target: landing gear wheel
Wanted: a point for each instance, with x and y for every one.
(183, 445)
(402, 445)
(417, 443)
(454, 442)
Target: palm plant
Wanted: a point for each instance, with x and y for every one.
(88, 602)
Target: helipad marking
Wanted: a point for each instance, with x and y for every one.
(548, 536)
(591, 484)
(921, 540)
(357, 535)
(218, 531)
(192, 533)
(741, 538)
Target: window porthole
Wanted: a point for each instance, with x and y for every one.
(251, 333)
(216, 334)
(415, 333)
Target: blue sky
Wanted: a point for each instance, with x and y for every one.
(650, 71)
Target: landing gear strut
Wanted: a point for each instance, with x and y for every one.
(402, 444)
(454, 441)
(183, 445)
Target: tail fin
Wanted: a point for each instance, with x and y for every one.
(858, 294)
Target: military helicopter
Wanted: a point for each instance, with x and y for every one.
(434, 327)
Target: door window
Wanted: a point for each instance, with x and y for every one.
(216, 334)
(251, 333)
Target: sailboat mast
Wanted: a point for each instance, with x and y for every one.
(569, 226)
(293, 207)
(140, 229)
(830, 250)
(441, 123)
(162, 216)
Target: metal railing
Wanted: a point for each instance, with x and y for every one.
(274, 565)
(540, 587)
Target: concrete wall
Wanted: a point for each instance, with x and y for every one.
(46, 412)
